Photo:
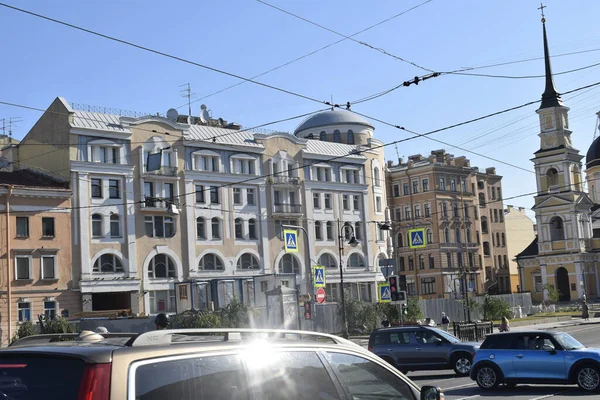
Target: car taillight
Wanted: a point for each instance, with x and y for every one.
(95, 383)
(370, 348)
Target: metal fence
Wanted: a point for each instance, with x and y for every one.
(474, 332)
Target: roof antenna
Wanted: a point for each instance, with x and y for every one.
(187, 92)
(332, 103)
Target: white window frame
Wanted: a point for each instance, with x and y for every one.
(535, 288)
(55, 259)
(96, 146)
(248, 191)
(110, 226)
(20, 315)
(325, 197)
(248, 163)
(201, 159)
(237, 192)
(46, 309)
(29, 257)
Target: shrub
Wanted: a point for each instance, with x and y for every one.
(56, 325)
(413, 310)
(27, 328)
(196, 319)
(236, 314)
(553, 293)
(495, 308)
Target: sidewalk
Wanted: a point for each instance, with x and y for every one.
(556, 325)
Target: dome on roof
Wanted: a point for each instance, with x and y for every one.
(592, 158)
(332, 117)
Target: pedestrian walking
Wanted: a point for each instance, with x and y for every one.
(504, 325)
(585, 311)
(445, 322)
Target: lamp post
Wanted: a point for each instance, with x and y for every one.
(353, 242)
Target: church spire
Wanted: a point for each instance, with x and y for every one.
(550, 97)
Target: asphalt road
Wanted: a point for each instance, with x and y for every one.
(464, 388)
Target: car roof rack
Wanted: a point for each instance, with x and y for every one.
(172, 336)
(49, 338)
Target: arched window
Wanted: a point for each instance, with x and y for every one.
(446, 235)
(318, 234)
(357, 231)
(115, 226)
(337, 137)
(399, 242)
(247, 261)
(252, 229)
(239, 228)
(323, 136)
(161, 266)
(201, 228)
(350, 137)
(289, 265)
(457, 234)
(429, 236)
(216, 228)
(108, 263)
(505, 262)
(356, 261)
(486, 248)
(97, 230)
(503, 240)
(310, 136)
(211, 262)
(376, 177)
(552, 177)
(557, 229)
(328, 261)
(498, 239)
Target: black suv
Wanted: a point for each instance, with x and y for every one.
(413, 348)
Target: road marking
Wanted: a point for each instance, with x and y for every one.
(468, 397)
(460, 386)
(551, 395)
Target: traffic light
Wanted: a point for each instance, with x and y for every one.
(394, 288)
(308, 310)
(404, 309)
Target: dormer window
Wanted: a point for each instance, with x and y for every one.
(206, 160)
(104, 151)
(243, 164)
(350, 137)
(337, 137)
(323, 136)
(350, 175)
(321, 172)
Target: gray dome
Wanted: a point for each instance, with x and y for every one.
(332, 117)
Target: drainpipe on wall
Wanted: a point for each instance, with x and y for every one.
(8, 277)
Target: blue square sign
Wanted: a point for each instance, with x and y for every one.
(291, 241)
(385, 295)
(417, 238)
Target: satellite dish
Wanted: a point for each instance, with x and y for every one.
(172, 114)
(204, 117)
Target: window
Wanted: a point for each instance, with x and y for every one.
(239, 228)
(47, 227)
(357, 374)
(247, 261)
(376, 179)
(453, 185)
(455, 210)
(159, 226)
(327, 201)
(428, 285)
(442, 183)
(161, 301)
(161, 266)
(214, 195)
(323, 136)
(427, 210)
(346, 202)
(406, 188)
(350, 137)
(557, 230)
(457, 234)
(356, 202)
(468, 238)
(431, 261)
(417, 211)
(407, 213)
(96, 188)
(493, 193)
(216, 228)
(108, 263)
(503, 240)
(328, 261)
(446, 235)
(495, 215)
(337, 137)
(429, 236)
(481, 199)
(50, 309)
(114, 191)
(444, 209)
(24, 311)
(105, 154)
(401, 263)
(421, 262)
(398, 214)
(322, 174)
(316, 201)
(243, 165)
(49, 267)
(200, 194)
(237, 196)
(201, 228)
(484, 225)
(22, 227)
(208, 162)
(497, 239)
(329, 230)
(97, 230)
(377, 204)
(466, 210)
(449, 260)
(396, 191)
(115, 226)
(415, 186)
(289, 265)
(486, 248)
(459, 259)
(169, 192)
(358, 231)
(23, 266)
(356, 261)
(250, 199)
(318, 235)
(538, 285)
(425, 184)
(149, 198)
(252, 229)
(211, 262)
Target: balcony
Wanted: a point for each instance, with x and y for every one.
(284, 180)
(288, 209)
(164, 170)
(157, 203)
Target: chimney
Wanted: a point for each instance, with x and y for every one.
(440, 155)
(490, 171)
(400, 161)
(390, 164)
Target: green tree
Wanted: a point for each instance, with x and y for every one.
(553, 293)
(387, 311)
(57, 325)
(27, 328)
(236, 315)
(196, 319)
(413, 310)
(360, 316)
(495, 308)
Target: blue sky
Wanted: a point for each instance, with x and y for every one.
(42, 60)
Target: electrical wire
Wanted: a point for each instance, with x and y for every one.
(161, 53)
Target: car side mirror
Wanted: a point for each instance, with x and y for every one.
(431, 393)
(549, 348)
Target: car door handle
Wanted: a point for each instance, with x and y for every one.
(417, 348)
(519, 356)
(390, 349)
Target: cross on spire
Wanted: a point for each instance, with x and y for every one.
(541, 8)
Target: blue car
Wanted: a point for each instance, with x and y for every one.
(535, 357)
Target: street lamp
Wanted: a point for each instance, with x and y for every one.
(352, 242)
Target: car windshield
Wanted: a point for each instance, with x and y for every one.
(447, 336)
(568, 342)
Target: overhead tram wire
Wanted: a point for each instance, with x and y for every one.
(161, 53)
(308, 54)
(380, 50)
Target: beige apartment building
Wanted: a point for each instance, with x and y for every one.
(460, 209)
(35, 250)
(520, 232)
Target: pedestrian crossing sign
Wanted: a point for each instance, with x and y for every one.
(291, 241)
(417, 238)
(319, 276)
(385, 295)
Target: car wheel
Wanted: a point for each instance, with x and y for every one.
(461, 363)
(588, 378)
(487, 377)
